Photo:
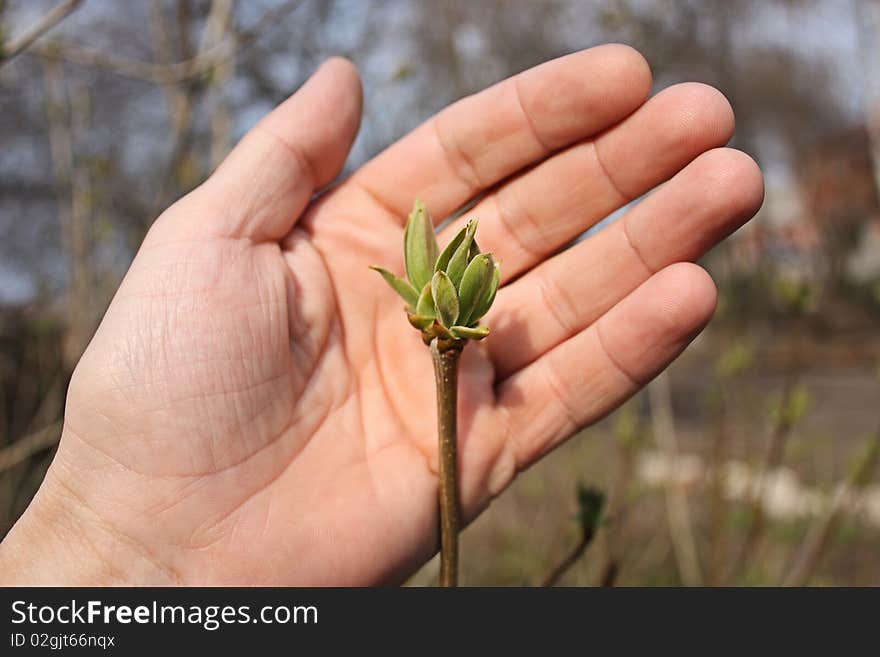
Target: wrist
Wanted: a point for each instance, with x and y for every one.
(61, 541)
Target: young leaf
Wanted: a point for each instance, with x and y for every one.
(400, 286)
(590, 503)
(474, 251)
(448, 250)
(465, 333)
(420, 322)
(474, 285)
(459, 260)
(445, 299)
(419, 246)
(425, 306)
(482, 305)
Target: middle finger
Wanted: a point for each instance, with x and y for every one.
(544, 208)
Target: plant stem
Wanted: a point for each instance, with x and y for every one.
(819, 538)
(773, 459)
(569, 560)
(446, 375)
(609, 574)
(678, 513)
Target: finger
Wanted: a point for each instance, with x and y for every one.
(708, 200)
(593, 372)
(264, 184)
(546, 207)
(484, 138)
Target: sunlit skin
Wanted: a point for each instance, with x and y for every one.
(255, 408)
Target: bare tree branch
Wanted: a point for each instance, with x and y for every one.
(818, 539)
(221, 121)
(23, 448)
(677, 508)
(174, 73)
(74, 190)
(181, 98)
(49, 20)
(779, 437)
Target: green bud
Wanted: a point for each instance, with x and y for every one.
(481, 307)
(476, 280)
(862, 465)
(590, 504)
(445, 299)
(400, 286)
(791, 408)
(419, 246)
(735, 360)
(446, 292)
(425, 306)
(446, 255)
(459, 261)
(466, 333)
(474, 250)
(419, 322)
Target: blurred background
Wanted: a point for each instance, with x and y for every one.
(752, 461)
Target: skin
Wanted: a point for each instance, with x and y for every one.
(254, 407)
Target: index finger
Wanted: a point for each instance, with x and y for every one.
(482, 139)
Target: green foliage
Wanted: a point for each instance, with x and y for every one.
(791, 409)
(798, 297)
(591, 502)
(402, 287)
(419, 246)
(475, 284)
(448, 291)
(626, 427)
(735, 360)
(445, 299)
(864, 461)
(404, 71)
(459, 260)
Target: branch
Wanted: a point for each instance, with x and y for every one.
(609, 574)
(446, 376)
(590, 503)
(44, 24)
(74, 206)
(181, 97)
(568, 561)
(23, 448)
(677, 509)
(817, 541)
(165, 74)
(779, 438)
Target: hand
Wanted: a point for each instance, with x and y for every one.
(255, 408)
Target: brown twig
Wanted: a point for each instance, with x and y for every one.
(446, 375)
(221, 123)
(779, 437)
(677, 509)
(816, 544)
(23, 448)
(45, 23)
(73, 184)
(180, 97)
(627, 432)
(569, 559)
(719, 505)
(591, 503)
(609, 575)
(163, 74)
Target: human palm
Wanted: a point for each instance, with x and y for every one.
(255, 408)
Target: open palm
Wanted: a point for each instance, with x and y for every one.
(255, 408)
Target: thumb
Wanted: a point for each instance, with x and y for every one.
(262, 187)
